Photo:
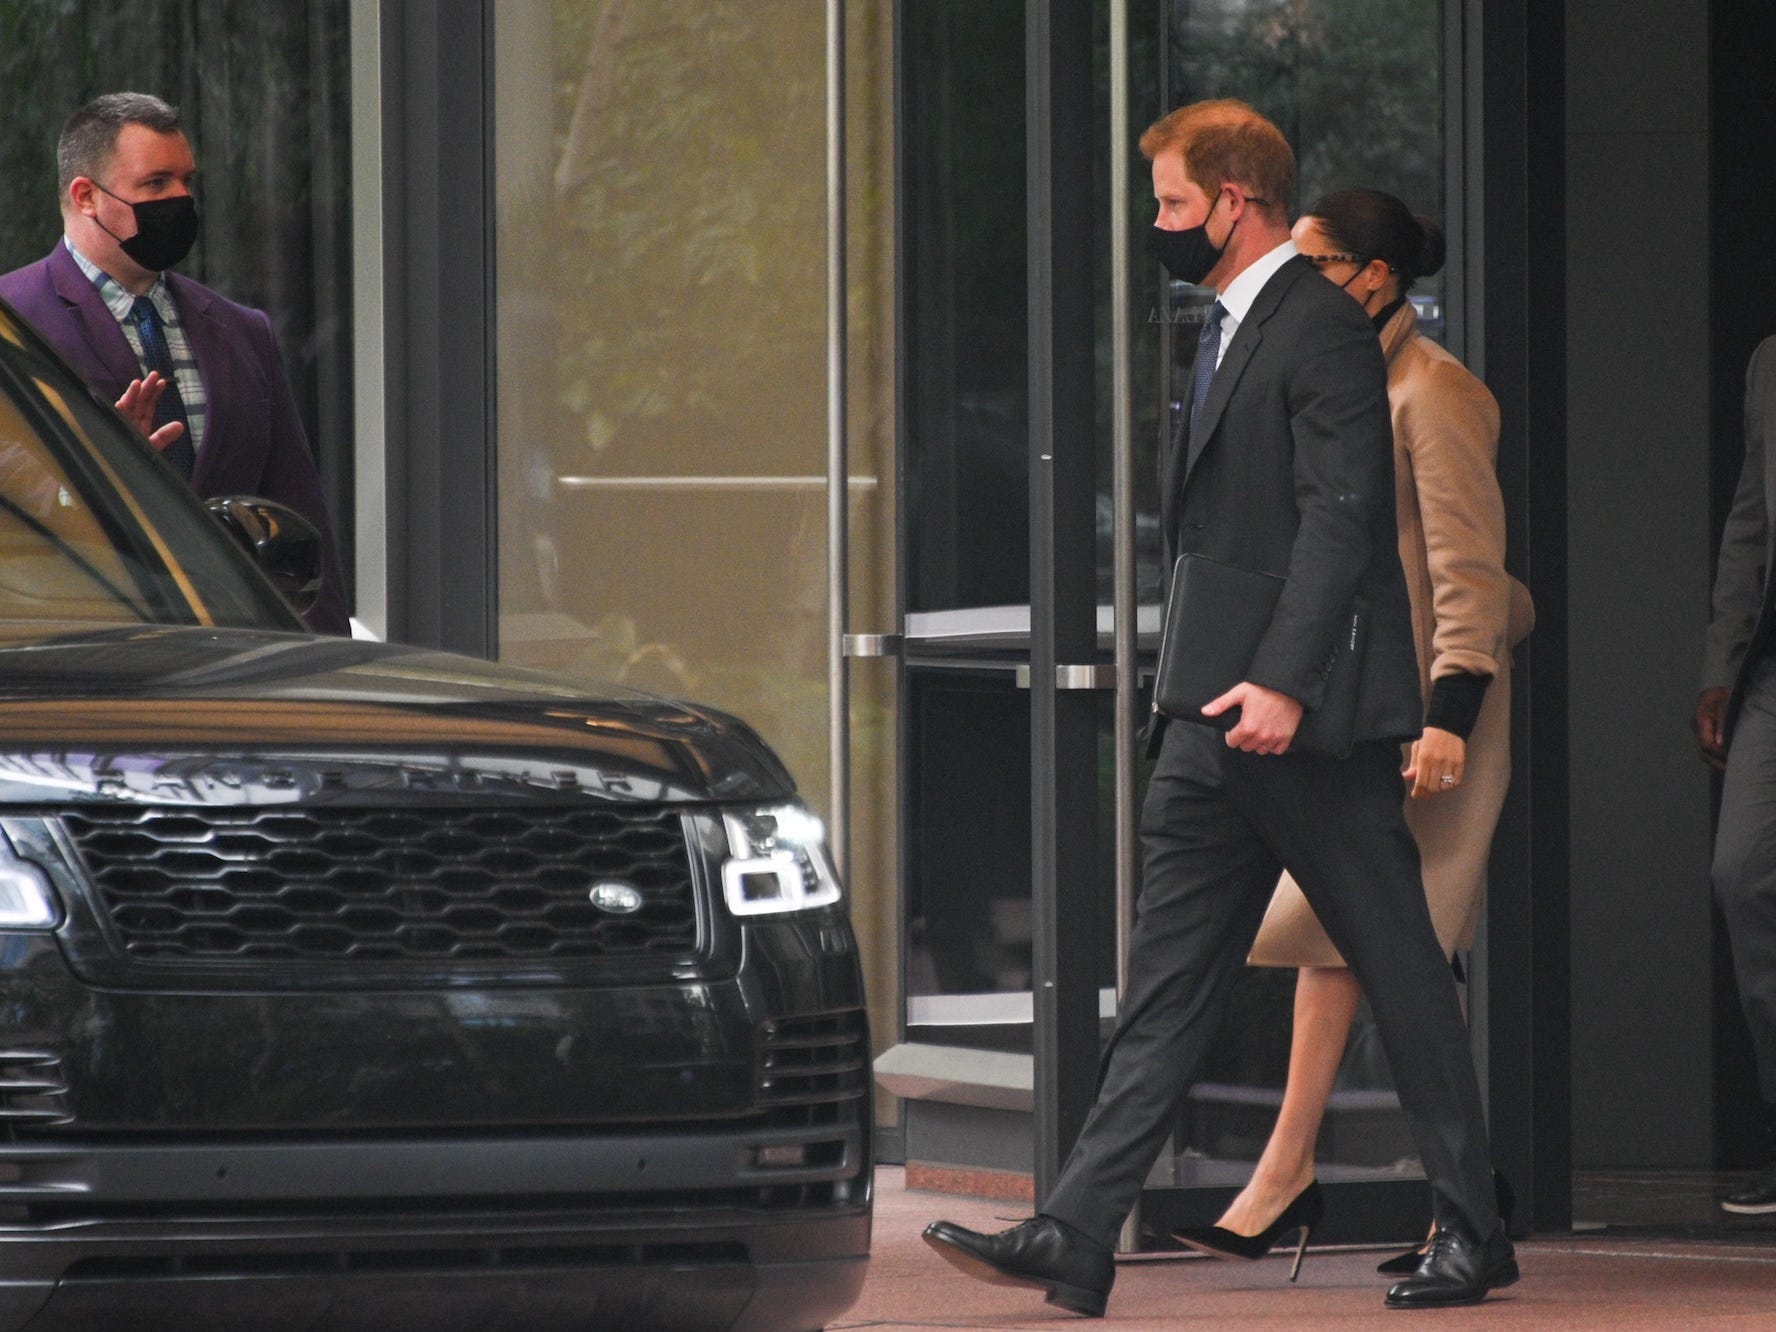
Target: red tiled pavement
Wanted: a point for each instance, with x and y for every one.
(1586, 1281)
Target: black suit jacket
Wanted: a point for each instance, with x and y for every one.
(1289, 469)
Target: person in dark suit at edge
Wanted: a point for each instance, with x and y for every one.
(1285, 465)
(199, 374)
(1735, 723)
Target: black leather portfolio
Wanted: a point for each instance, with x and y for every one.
(1215, 617)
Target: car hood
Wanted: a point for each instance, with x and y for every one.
(190, 715)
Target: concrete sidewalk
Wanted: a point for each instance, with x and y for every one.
(1600, 1280)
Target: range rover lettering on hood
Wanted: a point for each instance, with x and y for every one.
(393, 779)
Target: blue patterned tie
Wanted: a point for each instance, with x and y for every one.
(156, 355)
(1208, 352)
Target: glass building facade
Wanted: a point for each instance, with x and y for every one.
(551, 279)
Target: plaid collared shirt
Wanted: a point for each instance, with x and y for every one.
(120, 302)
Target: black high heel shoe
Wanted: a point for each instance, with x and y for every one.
(1407, 1263)
(1303, 1213)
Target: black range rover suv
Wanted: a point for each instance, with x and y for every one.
(347, 985)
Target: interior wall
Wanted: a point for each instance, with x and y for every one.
(1639, 373)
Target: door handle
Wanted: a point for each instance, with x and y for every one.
(1074, 677)
(873, 645)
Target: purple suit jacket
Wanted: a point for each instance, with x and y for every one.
(253, 440)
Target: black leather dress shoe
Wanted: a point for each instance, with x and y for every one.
(1457, 1269)
(1407, 1263)
(1076, 1272)
(1756, 1197)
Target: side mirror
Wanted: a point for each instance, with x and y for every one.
(284, 544)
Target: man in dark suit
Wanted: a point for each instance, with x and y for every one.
(202, 375)
(1286, 466)
(1735, 721)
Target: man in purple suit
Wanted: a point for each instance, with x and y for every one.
(201, 375)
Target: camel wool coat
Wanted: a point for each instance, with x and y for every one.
(1467, 615)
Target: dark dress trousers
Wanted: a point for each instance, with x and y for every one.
(253, 440)
(1287, 468)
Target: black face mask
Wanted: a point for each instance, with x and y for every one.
(1188, 255)
(166, 229)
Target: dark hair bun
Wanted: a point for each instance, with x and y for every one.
(1376, 225)
(1433, 250)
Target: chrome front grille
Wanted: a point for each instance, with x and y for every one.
(387, 885)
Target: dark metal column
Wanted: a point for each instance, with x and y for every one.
(1063, 575)
(1517, 51)
(438, 294)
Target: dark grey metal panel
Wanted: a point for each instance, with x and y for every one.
(968, 1136)
(1637, 386)
(1637, 344)
(1639, 67)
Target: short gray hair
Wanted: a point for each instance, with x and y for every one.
(89, 137)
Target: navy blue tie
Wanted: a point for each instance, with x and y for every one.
(1208, 352)
(156, 355)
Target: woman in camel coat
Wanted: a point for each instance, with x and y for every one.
(1467, 615)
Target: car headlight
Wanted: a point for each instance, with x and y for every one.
(27, 902)
(776, 861)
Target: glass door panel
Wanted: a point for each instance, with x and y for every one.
(969, 921)
(1357, 88)
(964, 273)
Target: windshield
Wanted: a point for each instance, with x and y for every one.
(93, 528)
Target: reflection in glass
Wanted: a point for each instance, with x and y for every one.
(661, 353)
(57, 561)
(661, 343)
(1148, 329)
(661, 350)
(968, 890)
(969, 923)
(965, 272)
(93, 530)
(1356, 86)
(965, 275)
